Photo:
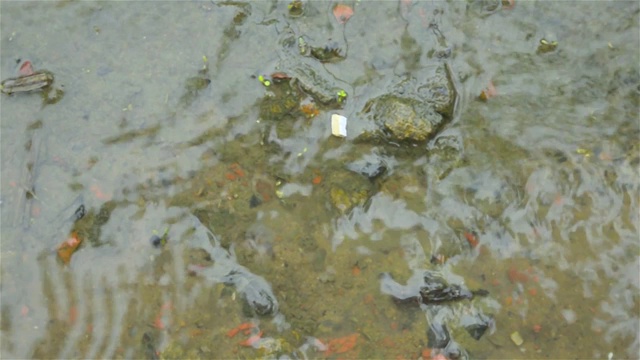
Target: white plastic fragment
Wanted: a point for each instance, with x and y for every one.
(569, 315)
(517, 338)
(338, 125)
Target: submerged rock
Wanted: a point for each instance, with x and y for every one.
(314, 83)
(280, 102)
(437, 295)
(434, 290)
(413, 111)
(401, 119)
(348, 189)
(371, 167)
(255, 290)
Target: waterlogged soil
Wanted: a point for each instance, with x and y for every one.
(197, 137)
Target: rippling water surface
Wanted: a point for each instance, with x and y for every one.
(275, 246)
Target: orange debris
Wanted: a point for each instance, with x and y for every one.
(68, 247)
(605, 156)
(280, 76)
(355, 271)
(26, 69)
(310, 110)
(471, 238)
(235, 167)
(251, 340)
(95, 189)
(317, 180)
(426, 354)
(517, 276)
(73, 315)
(368, 299)
(158, 324)
(342, 13)
(508, 301)
(488, 92)
(341, 345)
(237, 329)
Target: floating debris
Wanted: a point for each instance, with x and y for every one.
(546, 46)
(68, 247)
(338, 125)
(517, 338)
(27, 83)
(342, 13)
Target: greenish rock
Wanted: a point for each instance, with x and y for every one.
(435, 87)
(192, 87)
(279, 105)
(331, 52)
(546, 46)
(400, 119)
(445, 155)
(318, 87)
(345, 200)
(296, 8)
(414, 109)
(440, 91)
(281, 101)
(52, 95)
(348, 190)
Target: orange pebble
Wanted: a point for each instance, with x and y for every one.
(355, 270)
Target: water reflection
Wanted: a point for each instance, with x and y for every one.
(277, 234)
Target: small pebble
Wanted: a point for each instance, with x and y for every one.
(254, 201)
(156, 241)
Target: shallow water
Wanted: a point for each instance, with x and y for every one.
(544, 176)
